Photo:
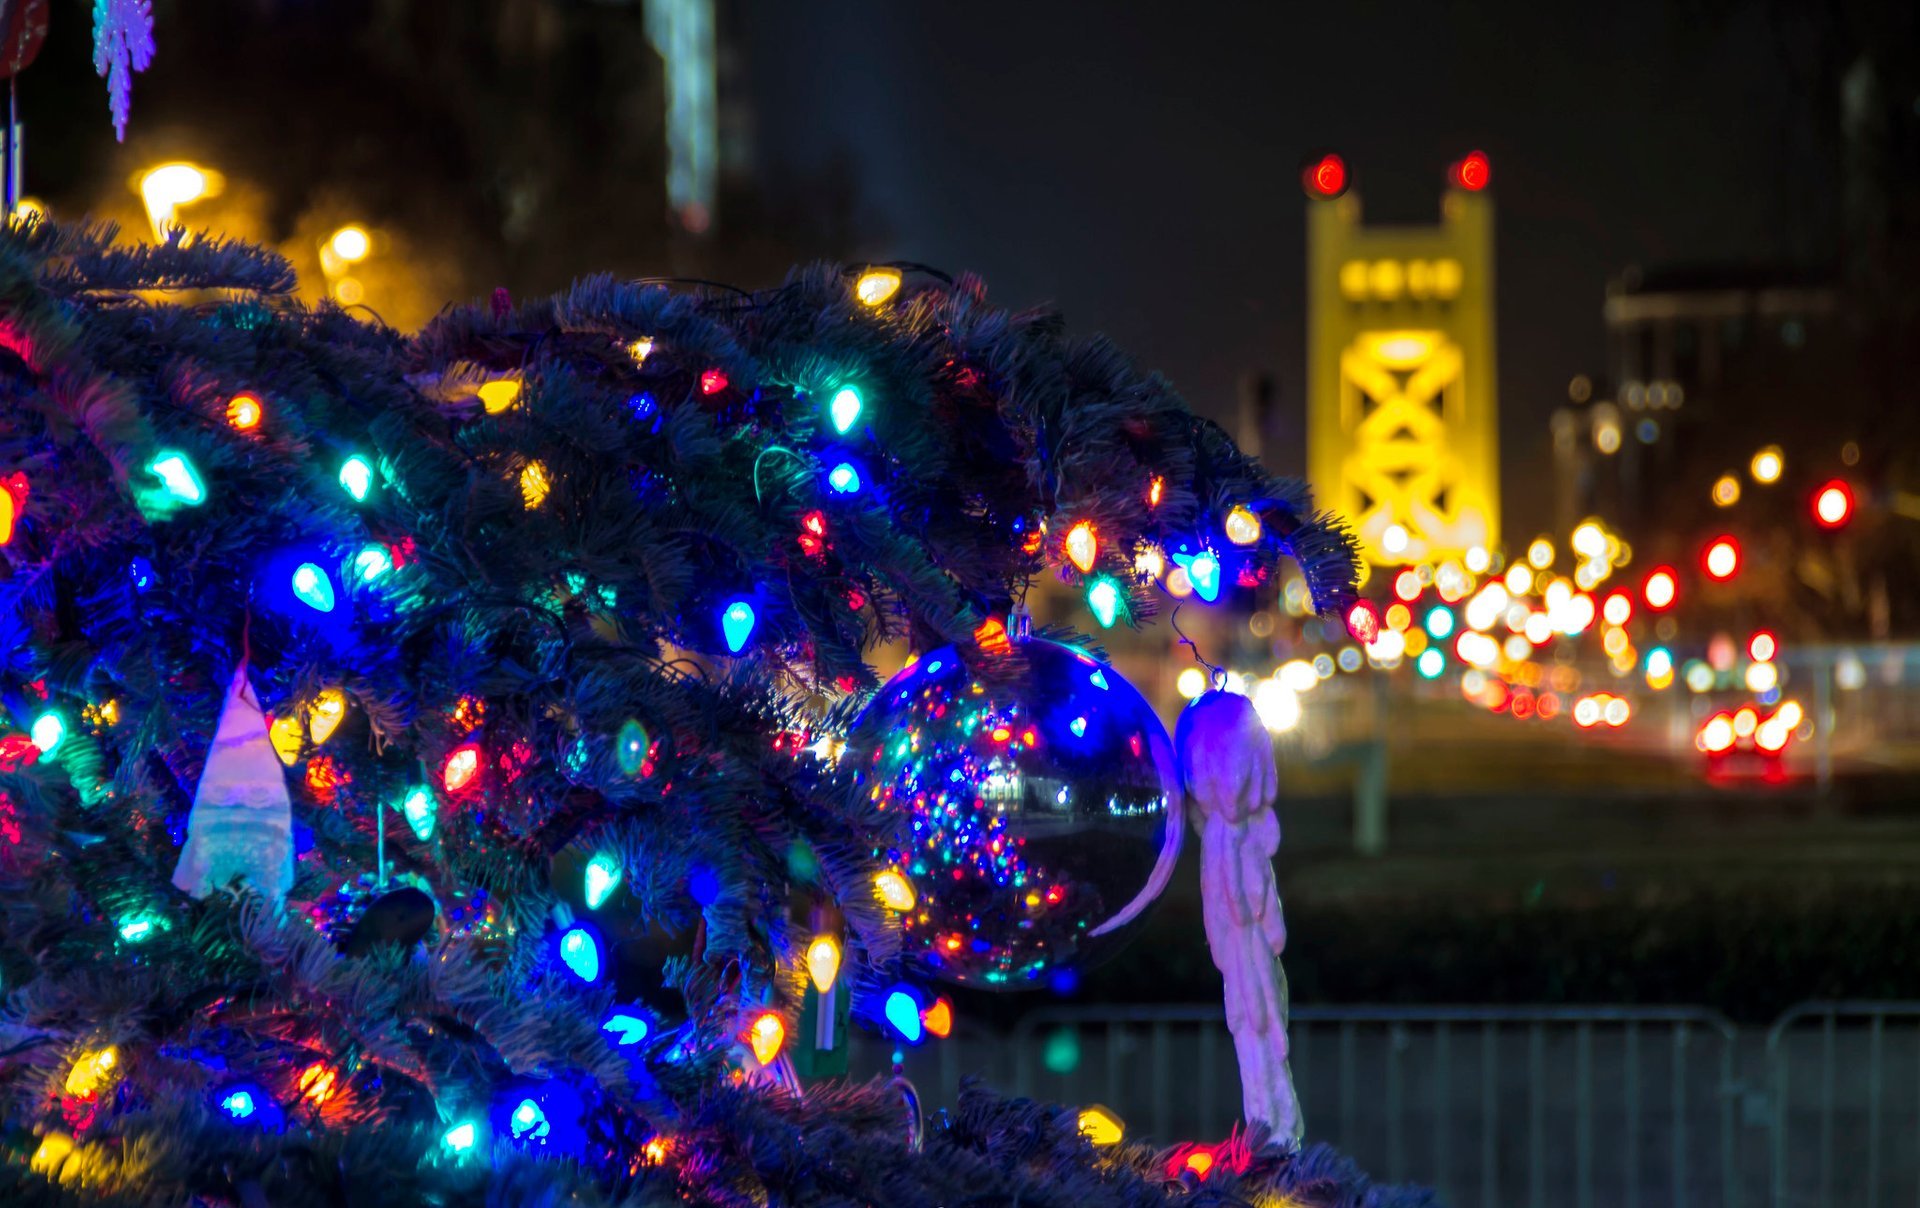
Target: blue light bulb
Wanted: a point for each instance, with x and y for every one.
(461, 1137)
(141, 572)
(529, 1122)
(737, 623)
(580, 952)
(845, 409)
(844, 479)
(1203, 571)
(903, 1012)
(1079, 727)
(625, 1027)
(238, 1105)
(315, 590)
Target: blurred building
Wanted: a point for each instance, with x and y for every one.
(1705, 366)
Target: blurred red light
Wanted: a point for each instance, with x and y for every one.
(1761, 647)
(1660, 589)
(1326, 176)
(1721, 558)
(1833, 504)
(1472, 173)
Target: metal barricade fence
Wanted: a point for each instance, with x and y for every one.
(1845, 1099)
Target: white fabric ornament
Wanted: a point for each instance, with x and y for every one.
(242, 819)
(1226, 763)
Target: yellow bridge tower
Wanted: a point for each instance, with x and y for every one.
(1402, 413)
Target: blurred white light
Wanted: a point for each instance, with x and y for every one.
(1191, 682)
(1762, 677)
(1298, 675)
(1277, 705)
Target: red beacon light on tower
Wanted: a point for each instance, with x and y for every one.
(1472, 172)
(1324, 176)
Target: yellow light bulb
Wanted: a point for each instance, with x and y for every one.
(534, 485)
(640, 350)
(284, 734)
(499, 395)
(896, 892)
(324, 715)
(53, 1150)
(1082, 545)
(823, 961)
(1243, 527)
(1099, 1125)
(876, 285)
(90, 1071)
(767, 1035)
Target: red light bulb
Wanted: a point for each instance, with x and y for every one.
(1363, 622)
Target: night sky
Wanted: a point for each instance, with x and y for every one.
(1138, 164)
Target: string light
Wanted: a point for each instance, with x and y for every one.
(372, 563)
(356, 476)
(1202, 573)
(902, 1011)
(461, 766)
(627, 1027)
(876, 285)
(1100, 1126)
(90, 1071)
(766, 1036)
(938, 1018)
(461, 1137)
(420, 811)
(534, 485)
(1767, 465)
(1762, 646)
(1242, 526)
(640, 350)
(317, 1083)
(313, 588)
(499, 395)
(238, 1103)
(844, 411)
(712, 381)
(244, 411)
(47, 731)
(579, 948)
(178, 478)
(602, 877)
(896, 892)
(1833, 504)
(1363, 622)
(843, 479)
(1104, 599)
(1082, 545)
(736, 625)
(823, 962)
(529, 1122)
(137, 930)
(1154, 491)
(324, 716)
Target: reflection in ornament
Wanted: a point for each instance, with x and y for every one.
(1043, 811)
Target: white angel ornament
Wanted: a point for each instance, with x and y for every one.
(1226, 765)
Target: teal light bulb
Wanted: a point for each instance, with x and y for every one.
(420, 812)
(845, 409)
(602, 878)
(315, 590)
(736, 624)
(356, 475)
(178, 477)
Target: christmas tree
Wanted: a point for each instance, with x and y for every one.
(379, 706)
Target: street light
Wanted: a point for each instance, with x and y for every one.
(166, 188)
